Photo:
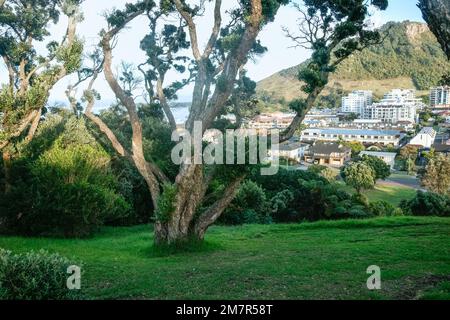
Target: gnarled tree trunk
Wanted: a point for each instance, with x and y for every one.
(185, 219)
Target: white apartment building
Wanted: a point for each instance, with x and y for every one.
(425, 138)
(397, 106)
(392, 112)
(400, 94)
(356, 102)
(369, 137)
(440, 97)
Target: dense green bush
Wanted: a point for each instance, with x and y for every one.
(35, 276)
(427, 204)
(384, 209)
(380, 168)
(69, 190)
(305, 195)
(249, 206)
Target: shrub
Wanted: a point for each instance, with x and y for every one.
(427, 204)
(35, 276)
(359, 176)
(381, 169)
(69, 210)
(306, 195)
(359, 212)
(69, 190)
(360, 199)
(383, 209)
(249, 206)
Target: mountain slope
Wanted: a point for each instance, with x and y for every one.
(409, 57)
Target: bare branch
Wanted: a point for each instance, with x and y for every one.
(22, 127)
(165, 105)
(216, 29)
(211, 215)
(192, 29)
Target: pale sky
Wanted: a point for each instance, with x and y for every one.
(278, 57)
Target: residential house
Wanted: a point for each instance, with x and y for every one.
(291, 150)
(425, 138)
(387, 157)
(443, 147)
(328, 153)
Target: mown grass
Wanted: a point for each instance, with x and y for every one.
(323, 260)
(392, 194)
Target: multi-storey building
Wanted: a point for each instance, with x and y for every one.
(356, 102)
(368, 137)
(396, 106)
(392, 112)
(440, 97)
(401, 94)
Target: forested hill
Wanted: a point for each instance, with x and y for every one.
(409, 56)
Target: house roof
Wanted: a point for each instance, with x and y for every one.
(429, 131)
(291, 146)
(379, 154)
(438, 147)
(328, 148)
(356, 132)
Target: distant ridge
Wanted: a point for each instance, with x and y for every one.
(410, 57)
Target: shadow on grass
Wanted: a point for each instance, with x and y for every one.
(372, 223)
(183, 248)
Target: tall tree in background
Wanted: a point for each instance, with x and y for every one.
(181, 206)
(359, 176)
(436, 177)
(437, 14)
(333, 30)
(31, 76)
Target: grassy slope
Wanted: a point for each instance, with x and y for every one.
(325, 260)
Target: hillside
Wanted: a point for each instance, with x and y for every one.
(409, 57)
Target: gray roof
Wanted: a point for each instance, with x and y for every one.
(438, 147)
(379, 154)
(357, 132)
(328, 148)
(290, 146)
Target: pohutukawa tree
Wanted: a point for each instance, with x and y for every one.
(31, 76)
(333, 30)
(184, 208)
(437, 14)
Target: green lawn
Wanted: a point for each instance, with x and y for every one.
(392, 194)
(324, 260)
